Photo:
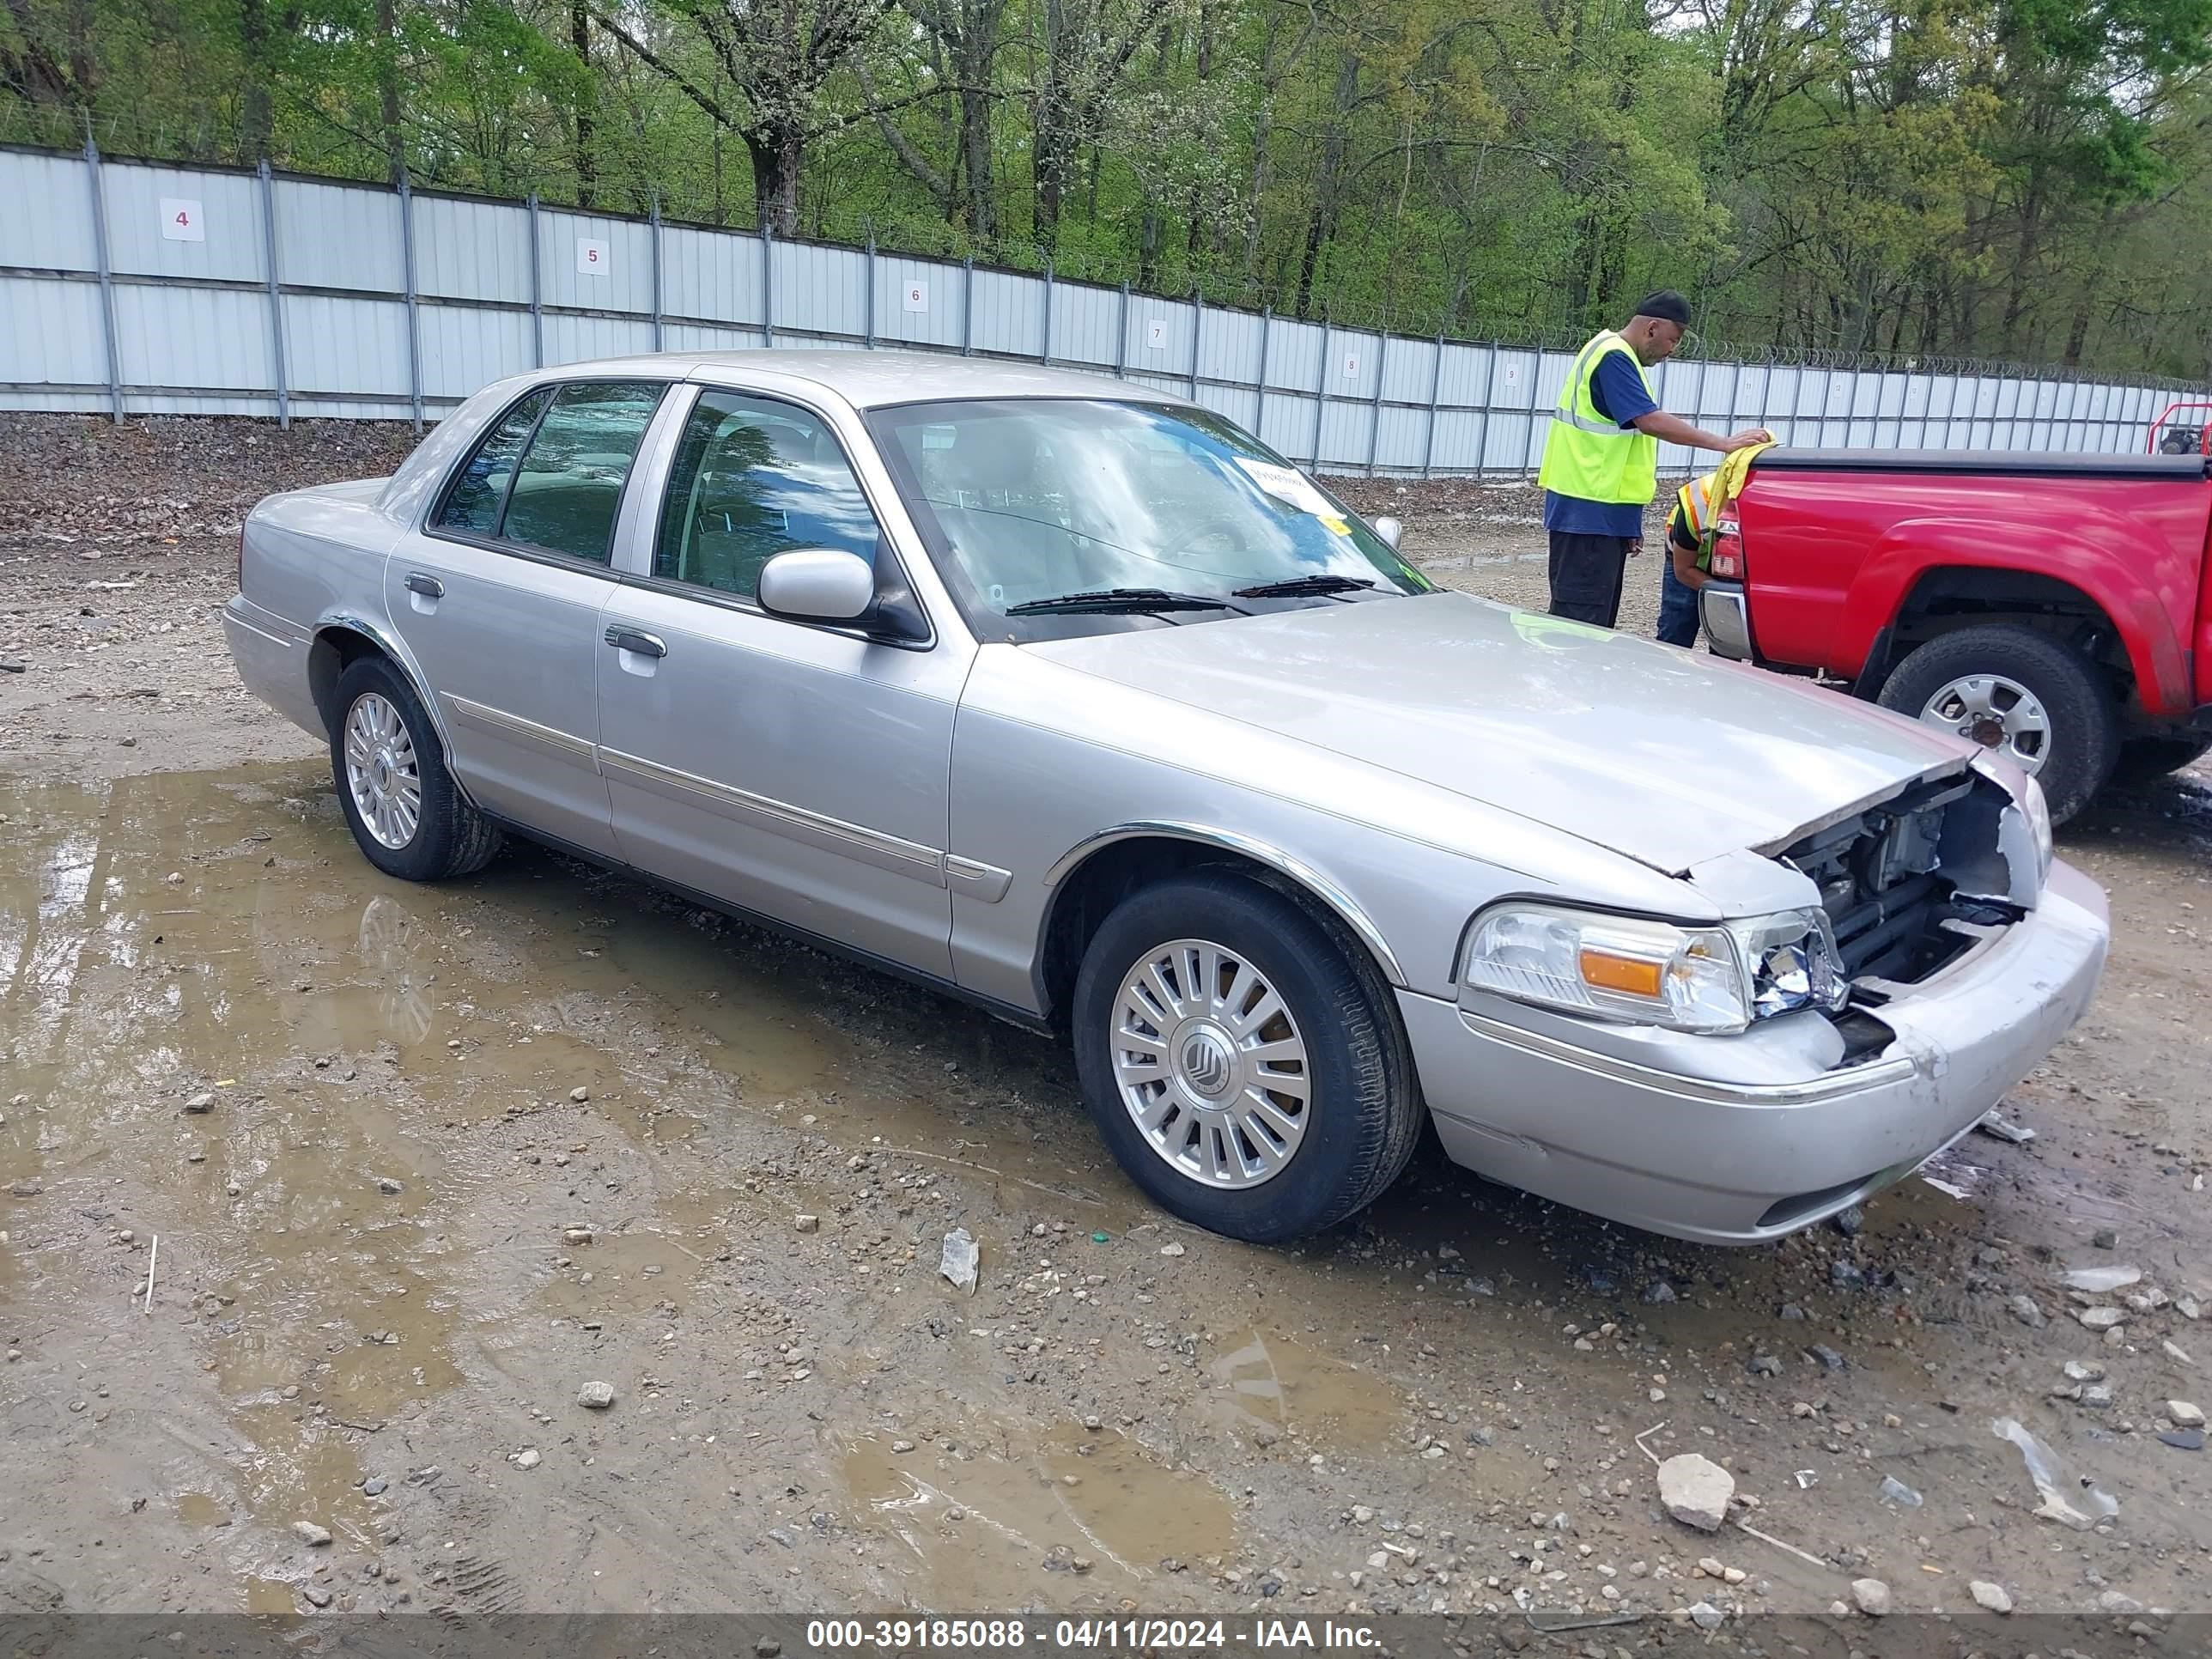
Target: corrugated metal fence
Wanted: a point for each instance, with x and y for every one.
(137, 289)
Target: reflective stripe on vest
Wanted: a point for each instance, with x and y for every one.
(1697, 498)
(1589, 458)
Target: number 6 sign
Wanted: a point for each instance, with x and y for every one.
(180, 220)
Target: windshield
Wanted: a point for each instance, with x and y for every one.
(1030, 500)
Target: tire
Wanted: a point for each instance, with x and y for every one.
(447, 835)
(2082, 725)
(1362, 1113)
(2146, 760)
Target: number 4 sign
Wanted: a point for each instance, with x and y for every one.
(180, 220)
(591, 257)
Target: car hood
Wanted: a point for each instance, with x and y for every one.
(1666, 757)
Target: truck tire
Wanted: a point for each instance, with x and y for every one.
(1244, 1072)
(2007, 685)
(407, 815)
(2146, 760)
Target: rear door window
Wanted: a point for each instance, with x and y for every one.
(549, 475)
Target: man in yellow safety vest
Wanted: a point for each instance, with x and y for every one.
(1600, 464)
(1698, 504)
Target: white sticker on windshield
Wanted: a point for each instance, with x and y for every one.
(1288, 485)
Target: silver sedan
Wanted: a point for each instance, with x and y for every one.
(1074, 700)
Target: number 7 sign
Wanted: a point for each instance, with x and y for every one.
(181, 221)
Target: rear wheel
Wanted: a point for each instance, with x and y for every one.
(2146, 760)
(405, 812)
(2021, 694)
(1243, 1069)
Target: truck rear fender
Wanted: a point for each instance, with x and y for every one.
(1907, 571)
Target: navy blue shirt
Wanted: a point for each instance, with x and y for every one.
(1618, 391)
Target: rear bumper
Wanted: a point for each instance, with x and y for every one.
(270, 655)
(1725, 1153)
(1727, 616)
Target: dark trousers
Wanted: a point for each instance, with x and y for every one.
(1678, 607)
(1586, 572)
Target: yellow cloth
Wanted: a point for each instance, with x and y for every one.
(1728, 478)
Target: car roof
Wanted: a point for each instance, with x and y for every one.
(875, 379)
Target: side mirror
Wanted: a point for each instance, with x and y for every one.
(1389, 530)
(817, 584)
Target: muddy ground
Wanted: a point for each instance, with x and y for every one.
(407, 1167)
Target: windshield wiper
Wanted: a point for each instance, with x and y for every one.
(1295, 587)
(1140, 601)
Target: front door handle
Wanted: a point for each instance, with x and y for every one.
(631, 639)
(428, 587)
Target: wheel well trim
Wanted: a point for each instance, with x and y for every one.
(385, 641)
(1260, 852)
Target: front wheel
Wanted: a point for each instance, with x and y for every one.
(2022, 693)
(1242, 1069)
(407, 815)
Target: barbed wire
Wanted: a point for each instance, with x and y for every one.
(208, 137)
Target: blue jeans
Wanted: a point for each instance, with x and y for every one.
(1678, 604)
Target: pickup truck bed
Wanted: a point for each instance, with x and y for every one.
(2055, 606)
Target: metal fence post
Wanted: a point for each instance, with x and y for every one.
(536, 294)
(656, 270)
(1375, 408)
(1197, 324)
(868, 279)
(968, 305)
(107, 279)
(1321, 389)
(768, 283)
(276, 298)
(1121, 336)
(414, 332)
(1044, 352)
(1260, 404)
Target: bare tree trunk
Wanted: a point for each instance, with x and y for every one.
(258, 116)
(388, 80)
(580, 36)
(778, 159)
(1320, 223)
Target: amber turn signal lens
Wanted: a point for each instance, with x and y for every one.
(1608, 972)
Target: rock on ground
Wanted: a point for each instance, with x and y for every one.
(1990, 1597)
(1696, 1490)
(1872, 1596)
(596, 1397)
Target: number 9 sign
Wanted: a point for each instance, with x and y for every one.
(181, 221)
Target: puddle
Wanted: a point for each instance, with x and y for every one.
(975, 1525)
(197, 1508)
(1270, 1382)
(341, 1222)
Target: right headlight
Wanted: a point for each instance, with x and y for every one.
(1714, 979)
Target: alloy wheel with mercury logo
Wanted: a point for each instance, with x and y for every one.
(1210, 1064)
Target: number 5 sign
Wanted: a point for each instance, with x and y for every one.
(591, 257)
(180, 220)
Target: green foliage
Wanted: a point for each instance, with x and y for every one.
(2029, 179)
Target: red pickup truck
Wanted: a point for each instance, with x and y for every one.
(2053, 606)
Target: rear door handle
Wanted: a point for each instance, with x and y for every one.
(429, 587)
(630, 638)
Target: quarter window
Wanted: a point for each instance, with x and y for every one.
(753, 478)
(479, 493)
(562, 492)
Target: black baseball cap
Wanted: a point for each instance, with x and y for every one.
(1667, 305)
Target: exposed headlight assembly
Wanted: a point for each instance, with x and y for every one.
(1715, 979)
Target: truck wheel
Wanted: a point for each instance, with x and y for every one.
(2021, 693)
(2146, 760)
(399, 800)
(1244, 1072)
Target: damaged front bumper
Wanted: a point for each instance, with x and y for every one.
(1739, 1140)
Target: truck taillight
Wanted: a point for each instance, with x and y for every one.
(1727, 562)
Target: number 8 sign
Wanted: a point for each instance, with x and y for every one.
(181, 221)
